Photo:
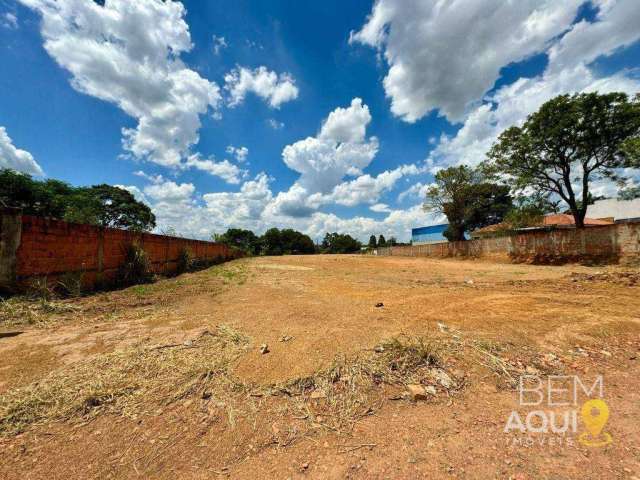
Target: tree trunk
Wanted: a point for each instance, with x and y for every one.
(578, 216)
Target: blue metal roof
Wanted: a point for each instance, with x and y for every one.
(429, 234)
(429, 229)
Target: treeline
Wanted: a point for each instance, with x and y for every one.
(548, 164)
(286, 242)
(102, 205)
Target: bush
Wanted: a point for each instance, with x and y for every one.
(136, 267)
(70, 284)
(185, 261)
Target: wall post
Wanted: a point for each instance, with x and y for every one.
(10, 234)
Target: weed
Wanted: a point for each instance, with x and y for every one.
(136, 267)
(70, 284)
(185, 261)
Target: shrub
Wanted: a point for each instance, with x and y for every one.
(185, 261)
(136, 267)
(70, 284)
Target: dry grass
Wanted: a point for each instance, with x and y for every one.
(351, 388)
(140, 380)
(18, 311)
(129, 382)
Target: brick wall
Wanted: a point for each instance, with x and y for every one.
(607, 243)
(50, 248)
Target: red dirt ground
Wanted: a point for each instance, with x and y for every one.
(574, 320)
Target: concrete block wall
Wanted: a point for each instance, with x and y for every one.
(35, 247)
(617, 243)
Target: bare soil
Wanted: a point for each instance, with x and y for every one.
(168, 380)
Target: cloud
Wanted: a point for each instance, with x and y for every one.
(128, 53)
(366, 188)
(568, 72)
(170, 192)
(446, 55)
(9, 20)
(226, 170)
(340, 149)
(16, 159)
(273, 88)
(219, 44)
(240, 153)
(380, 208)
(275, 124)
(415, 191)
(615, 26)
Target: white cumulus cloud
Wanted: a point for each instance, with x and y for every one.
(273, 88)
(224, 169)
(568, 72)
(239, 153)
(446, 54)
(128, 53)
(15, 158)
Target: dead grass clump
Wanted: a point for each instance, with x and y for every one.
(129, 382)
(16, 311)
(335, 398)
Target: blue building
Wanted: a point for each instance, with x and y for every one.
(430, 234)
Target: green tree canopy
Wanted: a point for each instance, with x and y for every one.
(245, 240)
(467, 200)
(340, 243)
(568, 143)
(372, 242)
(382, 242)
(102, 205)
(529, 210)
(630, 193)
(286, 242)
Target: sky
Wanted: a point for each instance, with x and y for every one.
(319, 116)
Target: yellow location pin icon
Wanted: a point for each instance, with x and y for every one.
(595, 414)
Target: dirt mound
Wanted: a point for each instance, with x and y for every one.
(630, 278)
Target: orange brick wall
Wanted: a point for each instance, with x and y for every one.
(50, 248)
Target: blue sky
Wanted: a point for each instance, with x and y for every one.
(321, 116)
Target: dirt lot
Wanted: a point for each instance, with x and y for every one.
(169, 380)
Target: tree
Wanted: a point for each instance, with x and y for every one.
(109, 206)
(286, 242)
(568, 143)
(245, 240)
(529, 211)
(372, 242)
(630, 193)
(381, 241)
(340, 243)
(467, 200)
(103, 205)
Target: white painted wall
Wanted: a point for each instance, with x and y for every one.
(618, 209)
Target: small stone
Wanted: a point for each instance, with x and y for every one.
(305, 465)
(605, 353)
(316, 394)
(379, 305)
(286, 338)
(442, 378)
(188, 343)
(468, 281)
(431, 390)
(417, 392)
(378, 349)
(264, 348)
